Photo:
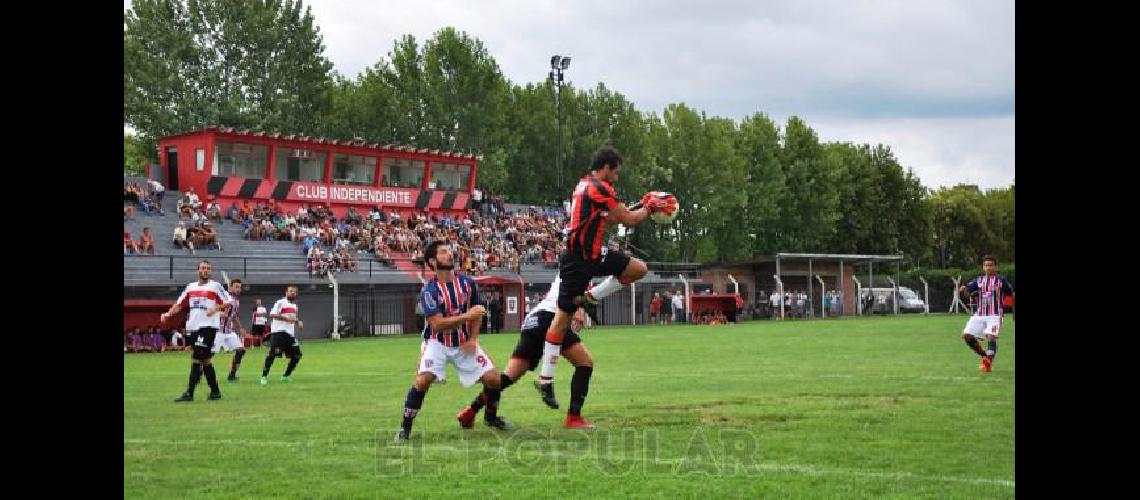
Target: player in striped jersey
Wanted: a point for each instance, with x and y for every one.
(205, 298)
(453, 312)
(991, 289)
(594, 205)
(528, 353)
(283, 340)
(229, 338)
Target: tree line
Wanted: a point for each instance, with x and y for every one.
(748, 187)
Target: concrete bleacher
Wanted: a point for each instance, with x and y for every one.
(270, 261)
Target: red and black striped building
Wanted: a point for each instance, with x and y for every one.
(294, 171)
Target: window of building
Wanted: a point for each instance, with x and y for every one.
(306, 165)
(352, 169)
(240, 160)
(451, 177)
(403, 173)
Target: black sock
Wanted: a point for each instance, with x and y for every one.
(211, 379)
(292, 364)
(977, 347)
(412, 406)
(195, 376)
(237, 362)
(579, 386)
(268, 364)
(492, 396)
(478, 402)
(991, 350)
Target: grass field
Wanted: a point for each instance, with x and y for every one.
(883, 407)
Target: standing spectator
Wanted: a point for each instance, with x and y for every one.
(679, 307)
(655, 308)
(737, 309)
(827, 302)
(495, 311)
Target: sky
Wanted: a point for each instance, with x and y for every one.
(932, 79)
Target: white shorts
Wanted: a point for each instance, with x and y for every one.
(434, 356)
(979, 326)
(227, 342)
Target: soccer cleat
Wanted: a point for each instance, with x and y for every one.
(577, 422)
(214, 396)
(499, 423)
(466, 418)
(232, 378)
(547, 392)
(286, 378)
(402, 436)
(987, 365)
(588, 304)
(264, 380)
(184, 397)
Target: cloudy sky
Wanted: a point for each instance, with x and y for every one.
(933, 79)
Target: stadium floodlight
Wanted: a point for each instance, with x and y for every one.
(558, 64)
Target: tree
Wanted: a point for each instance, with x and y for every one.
(134, 156)
(257, 65)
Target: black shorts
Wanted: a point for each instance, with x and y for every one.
(284, 343)
(258, 329)
(533, 339)
(576, 273)
(202, 340)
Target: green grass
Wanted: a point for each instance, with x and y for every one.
(883, 407)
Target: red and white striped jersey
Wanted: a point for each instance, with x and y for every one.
(285, 308)
(200, 299)
(228, 319)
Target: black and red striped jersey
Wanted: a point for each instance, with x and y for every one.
(592, 200)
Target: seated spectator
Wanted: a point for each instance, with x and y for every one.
(347, 261)
(157, 190)
(195, 203)
(150, 207)
(128, 212)
(314, 260)
(182, 238)
(214, 211)
(157, 343)
(146, 241)
(234, 213)
(176, 340)
(129, 245)
(208, 236)
(137, 344)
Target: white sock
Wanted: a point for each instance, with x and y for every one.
(606, 288)
(550, 353)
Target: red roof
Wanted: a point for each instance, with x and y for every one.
(230, 131)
